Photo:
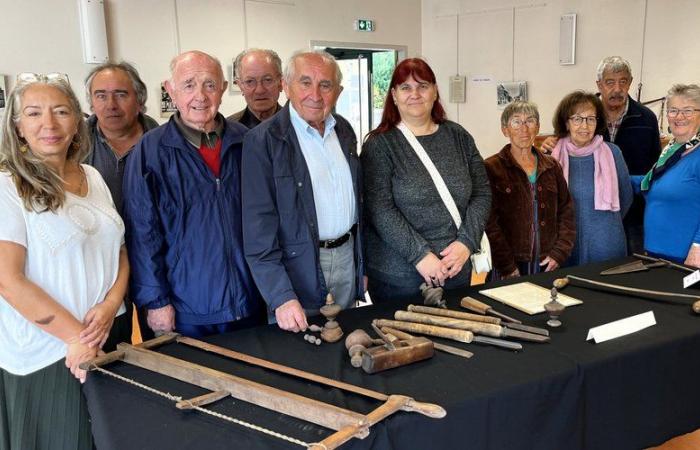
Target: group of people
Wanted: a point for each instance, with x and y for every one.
(209, 224)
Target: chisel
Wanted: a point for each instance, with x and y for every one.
(442, 347)
(475, 305)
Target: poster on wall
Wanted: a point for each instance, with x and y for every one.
(510, 91)
(3, 94)
(167, 107)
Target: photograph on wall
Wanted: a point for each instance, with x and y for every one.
(167, 107)
(3, 94)
(510, 91)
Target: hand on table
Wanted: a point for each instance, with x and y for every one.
(291, 317)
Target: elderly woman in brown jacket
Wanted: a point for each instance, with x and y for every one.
(531, 226)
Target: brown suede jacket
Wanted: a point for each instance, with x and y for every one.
(508, 227)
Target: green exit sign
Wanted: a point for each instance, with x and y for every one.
(364, 25)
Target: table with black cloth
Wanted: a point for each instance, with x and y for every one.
(628, 393)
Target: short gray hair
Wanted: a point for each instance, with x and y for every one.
(519, 107)
(271, 54)
(139, 86)
(613, 64)
(327, 58)
(689, 91)
(176, 60)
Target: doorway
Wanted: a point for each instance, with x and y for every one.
(367, 70)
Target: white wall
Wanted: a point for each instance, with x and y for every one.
(43, 35)
(513, 40)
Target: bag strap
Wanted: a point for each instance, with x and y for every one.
(434, 174)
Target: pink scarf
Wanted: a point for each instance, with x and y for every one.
(606, 194)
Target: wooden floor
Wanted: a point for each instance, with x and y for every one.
(690, 441)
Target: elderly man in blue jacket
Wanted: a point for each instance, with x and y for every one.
(301, 197)
(182, 207)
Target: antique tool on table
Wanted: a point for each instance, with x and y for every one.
(433, 296)
(391, 353)
(356, 343)
(554, 309)
(346, 423)
(486, 329)
(669, 297)
(476, 318)
(442, 347)
(447, 333)
(331, 331)
(639, 266)
(475, 305)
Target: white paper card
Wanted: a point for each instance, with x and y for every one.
(527, 297)
(621, 327)
(691, 279)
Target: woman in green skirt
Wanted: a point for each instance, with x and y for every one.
(63, 270)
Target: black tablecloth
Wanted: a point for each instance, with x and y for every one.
(628, 393)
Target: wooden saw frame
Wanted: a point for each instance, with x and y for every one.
(346, 423)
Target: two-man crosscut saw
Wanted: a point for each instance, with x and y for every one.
(347, 424)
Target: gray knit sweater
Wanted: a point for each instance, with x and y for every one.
(404, 215)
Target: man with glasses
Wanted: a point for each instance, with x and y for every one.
(631, 126)
(183, 212)
(117, 98)
(258, 74)
(301, 197)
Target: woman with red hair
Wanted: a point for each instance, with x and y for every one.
(426, 193)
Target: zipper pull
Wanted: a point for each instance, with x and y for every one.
(218, 184)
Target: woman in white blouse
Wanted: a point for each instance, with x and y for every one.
(63, 268)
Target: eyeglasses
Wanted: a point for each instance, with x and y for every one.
(578, 120)
(250, 84)
(530, 122)
(30, 77)
(686, 112)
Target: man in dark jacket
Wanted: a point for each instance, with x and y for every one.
(183, 213)
(301, 197)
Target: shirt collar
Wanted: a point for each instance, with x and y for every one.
(302, 125)
(199, 137)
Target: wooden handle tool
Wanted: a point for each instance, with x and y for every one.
(486, 329)
(447, 333)
(476, 318)
(475, 305)
(442, 347)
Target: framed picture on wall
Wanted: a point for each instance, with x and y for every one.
(510, 91)
(3, 93)
(167, 107)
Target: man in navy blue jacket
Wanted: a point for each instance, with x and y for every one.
(301, 197)
(182, 207)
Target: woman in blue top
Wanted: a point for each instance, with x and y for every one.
(672, 186)
(597, 177)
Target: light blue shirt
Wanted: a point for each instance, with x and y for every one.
(330, 176)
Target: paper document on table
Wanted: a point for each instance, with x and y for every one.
(527, 297)
(621, 327)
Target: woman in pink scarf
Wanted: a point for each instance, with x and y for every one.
(597, 177)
